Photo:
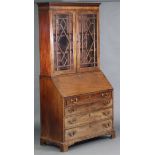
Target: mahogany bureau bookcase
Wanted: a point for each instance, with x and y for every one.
(76, 99)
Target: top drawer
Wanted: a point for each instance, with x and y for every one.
(88, 98)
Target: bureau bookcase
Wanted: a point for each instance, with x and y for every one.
(76, 99)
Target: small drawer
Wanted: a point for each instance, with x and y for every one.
(102, 95)
(76, 133)
(87, 98)
(88, 130)
(102, 126)
(101, 104)
(73, 121)
(76, 109)
(76, 120)
(103, 114)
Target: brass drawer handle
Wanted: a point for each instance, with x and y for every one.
(70, 110)
(74, 100)
(105, 94)
(106, 125)
(106, 102)
(72, 121)
(72, 133)
(106, 113)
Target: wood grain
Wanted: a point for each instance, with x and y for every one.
(88, 98)
(86, 118)
(44, 42)
(86, 130)
(51, 110)
(87, 82)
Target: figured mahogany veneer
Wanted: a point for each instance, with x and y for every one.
(75, 134)
(88, 117)
(75, 96)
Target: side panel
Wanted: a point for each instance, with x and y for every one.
(44, 42)
(51, 111)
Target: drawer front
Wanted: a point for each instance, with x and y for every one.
(85, 108)
(72, 110)
(102, 126)
(76, 120)
(83, 99)
(101, 115)
(73, 121)
(88, 130)
(102, 104)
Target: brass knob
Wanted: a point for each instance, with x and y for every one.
(106, 113)
(71, 134)
(106, 94)
(74, 100)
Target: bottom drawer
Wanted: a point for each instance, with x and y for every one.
(89, 129)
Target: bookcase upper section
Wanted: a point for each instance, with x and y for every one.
(69, 38)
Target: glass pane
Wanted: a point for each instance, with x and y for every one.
(88, 40)
(63, 41)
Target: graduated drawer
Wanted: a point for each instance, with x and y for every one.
(85, 108)
(88, 130)
(87, 98)
(76, 120)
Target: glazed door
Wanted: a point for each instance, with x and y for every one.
(63, 41)
(87, 41)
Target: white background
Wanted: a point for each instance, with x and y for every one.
(137, 77)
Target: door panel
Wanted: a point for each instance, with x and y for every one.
(87, 45)
(63, 42)
(74, 40)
